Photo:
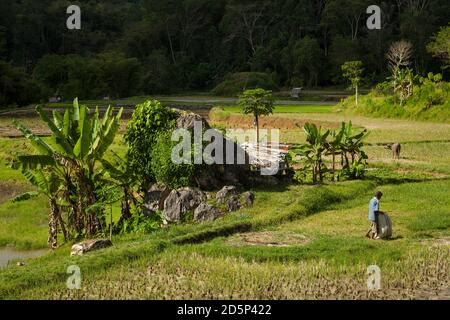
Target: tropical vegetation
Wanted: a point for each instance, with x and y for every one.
(68, 170)
(168, 47)
(343, 142)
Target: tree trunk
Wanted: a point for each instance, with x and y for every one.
(126, 211)
(257, 129)
(333, 165)
(170, 43)
(320, 170)
(315, 171)
(80, 216)
(63, 227)
(53, 225)
(356, 95)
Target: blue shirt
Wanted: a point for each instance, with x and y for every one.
(374, 205)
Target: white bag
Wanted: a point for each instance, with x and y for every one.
(384, 226)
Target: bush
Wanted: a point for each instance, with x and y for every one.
(235, 83)
(149, 120)
(69, 76)
(164, 169)
(140, 224)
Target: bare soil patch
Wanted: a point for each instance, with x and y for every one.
(278, 122)
(445, 241)
(268, 238)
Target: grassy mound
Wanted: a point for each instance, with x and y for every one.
(430, 101)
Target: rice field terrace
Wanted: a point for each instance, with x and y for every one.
(298, 241)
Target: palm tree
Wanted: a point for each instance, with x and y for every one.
(123, 178)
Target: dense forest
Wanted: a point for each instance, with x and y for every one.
(130, 47)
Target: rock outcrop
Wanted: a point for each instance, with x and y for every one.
(225, 193)
(216, 175)
(154, 199)
(233, 203)
(176, 204)
(181, 201)
(206, 212)
(249, 198)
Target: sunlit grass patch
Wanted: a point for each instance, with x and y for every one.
(24, 224)
(420, 157)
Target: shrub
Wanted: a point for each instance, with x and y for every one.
(140, 224)
(164, 169)
(149, 120)
(235, 83)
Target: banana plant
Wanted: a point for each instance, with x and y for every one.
(79, 142)
(314, 150)
(49, 185)
(403, 83)
(121, 176)
(334, 147)
(352, 146)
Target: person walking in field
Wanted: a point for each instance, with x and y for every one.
(374, 212)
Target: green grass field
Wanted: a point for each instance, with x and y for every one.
(296, 242)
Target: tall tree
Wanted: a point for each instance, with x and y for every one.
(247, 21)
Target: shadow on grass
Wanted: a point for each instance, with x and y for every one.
(393, 238)
(275, 186)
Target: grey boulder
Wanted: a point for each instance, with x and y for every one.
(225, 193)
(154, 199)
(249, 198)
(233, 203)
(206, 212)
(181, 201)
